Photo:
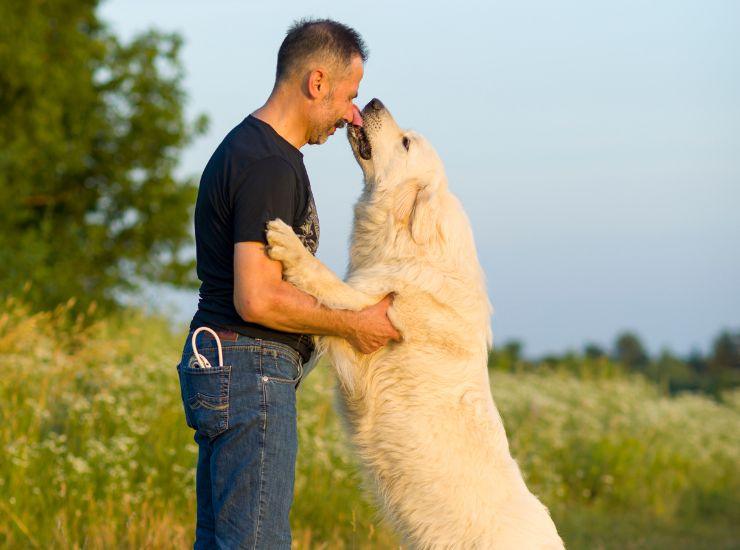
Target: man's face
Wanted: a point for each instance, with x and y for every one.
(336, 108)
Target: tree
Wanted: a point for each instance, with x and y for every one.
(514, 348)
(506, 357)
(90, 133)
(725, 351)
(673, 373)
(593, 351)
(697, 362)
(629, 351)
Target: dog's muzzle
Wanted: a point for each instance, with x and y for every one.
(359, 134)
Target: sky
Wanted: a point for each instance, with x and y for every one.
(594, 145)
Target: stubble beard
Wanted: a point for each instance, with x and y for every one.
(320, 132)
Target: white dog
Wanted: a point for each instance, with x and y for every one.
(420, 412)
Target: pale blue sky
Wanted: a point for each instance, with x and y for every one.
(595, 145)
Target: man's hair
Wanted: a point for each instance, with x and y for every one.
(325, 39)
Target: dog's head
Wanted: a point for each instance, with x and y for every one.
(403, 166)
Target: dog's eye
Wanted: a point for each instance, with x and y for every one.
(406, 142)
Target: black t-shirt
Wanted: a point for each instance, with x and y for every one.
(254, 176)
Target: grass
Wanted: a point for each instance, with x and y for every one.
(96, 454)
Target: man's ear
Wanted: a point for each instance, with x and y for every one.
(317, 83)
(417, 205)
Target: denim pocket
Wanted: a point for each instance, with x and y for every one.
(281, 367)
(205, 396)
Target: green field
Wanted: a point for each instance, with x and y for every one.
(96, 454)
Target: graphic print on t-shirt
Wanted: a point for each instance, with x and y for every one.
(309, 230)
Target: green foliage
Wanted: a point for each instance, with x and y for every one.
(593, 351)
(90, 133)
(96, 453)
(713, 375)
(726, 352)
(629, 351)
(671, 372)
(92, 450)
(618, 444)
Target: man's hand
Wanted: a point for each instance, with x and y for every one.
(262, 296)
(373, 329)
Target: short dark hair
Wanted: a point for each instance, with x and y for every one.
(307, 37)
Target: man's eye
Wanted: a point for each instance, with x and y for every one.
(406, 142)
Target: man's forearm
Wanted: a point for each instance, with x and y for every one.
(289, 309)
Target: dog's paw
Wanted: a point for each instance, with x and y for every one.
(283, 244)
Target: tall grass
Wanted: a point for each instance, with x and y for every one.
(94, 451)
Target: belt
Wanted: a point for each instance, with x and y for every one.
(228, 335)
(305, 342)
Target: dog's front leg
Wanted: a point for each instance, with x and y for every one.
(309, 274)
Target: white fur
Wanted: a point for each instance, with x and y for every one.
(420, 413)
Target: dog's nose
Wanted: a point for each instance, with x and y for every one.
(376, 104)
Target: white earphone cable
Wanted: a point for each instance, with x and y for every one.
(202, 361)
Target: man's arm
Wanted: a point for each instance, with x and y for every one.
(262, 296)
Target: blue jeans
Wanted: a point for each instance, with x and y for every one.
(244, 417)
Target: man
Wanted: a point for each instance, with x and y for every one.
(243, 410)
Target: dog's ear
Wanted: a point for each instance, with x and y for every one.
(417, 205)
